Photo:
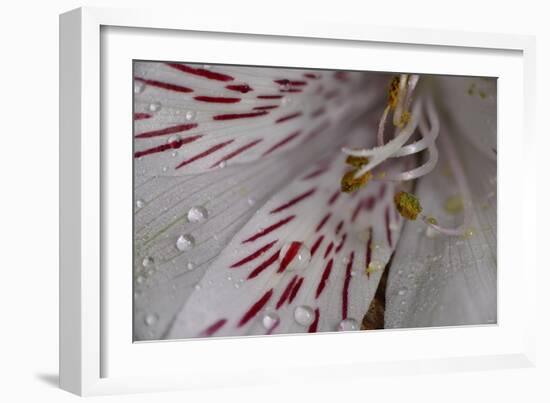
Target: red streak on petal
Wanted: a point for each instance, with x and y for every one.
(382, 191)
(315, 132)
(204, 153)
(333, 198)
(165, 86)
(290, 82)
(318, 112)
(345, 290)
(168, 146)
(322, 222)
(141, 116)
(312, 76)
(388, 229)
(167, 130)
(328, 249)
(286, 292)
(281, 143)
(357, 210)
(332, 94)
(341, 75)
(236, 152)
(232, 116)
(269, 96)
(288, 117)
(254, 309)
(370, 203)
(265, 107)
(339, 227)
(242, 88)
(294, 201)
(217, 100)
(292, 90)
(324, 278)
(267, 230)
(315, 173)
(313, 327)
(316, 245)
(341, 244)
(295, 290)
(368, 255)
(290, 254)
(254, 255)
(264, 265)
(200, 72)
(213, 328)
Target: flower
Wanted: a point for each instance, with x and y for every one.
(272, 200)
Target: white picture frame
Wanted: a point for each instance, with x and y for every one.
(97, 355)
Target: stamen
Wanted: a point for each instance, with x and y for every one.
(356, 162)
(407, 205)
(350, 183)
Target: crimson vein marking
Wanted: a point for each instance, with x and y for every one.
(313, 327)
(254, 309)
(217, 100)
(236, 152)
(345, 290)
(323, 222)
(281, 143)
(264, 265)
(164, 85)
(168, 146)
(269, 96)
(265, 107)
(388, 229)
(316, 245)
(286, 292)
(267, 230)
(242, 88)
(291, 90)
(294, 201)
(254, 255)
(324, 279)
(328, 249)
(339, 227)
(167, 130)
(142, 115)
(368, 254)
(315, 173)
(232, 116)
(370, 203)
(201, 72)
(295, 290)
(204, 153)
(357, 210)
(342, 242)
(213, 328)
(285, 81)
(333, 198)
(315, 132)
(289, 255)
(318, 112)
(382, 191)
(312, 76)
(288, 117)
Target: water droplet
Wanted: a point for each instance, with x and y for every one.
(206, 67)
(304, 315)
(251, 201)
(431, 233)
(140, 279)
(222, 164)
(197, 214)
(348, 324)
(345, 260)
(190, 115)
(185, 242)
(151, 319)
(229, 278)
(402, 291)
(164, 169)
(173, 139)
(190, 266)
(269, 320)
(286, 100)
(147, 261)
(300, 260)
(154, 106)
(174, 154)
(197, 287)
(140, 203)
(138, 87)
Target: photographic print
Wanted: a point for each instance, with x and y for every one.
(274, 200)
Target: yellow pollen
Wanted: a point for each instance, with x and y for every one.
(431, 220)
(373, 267)
(357, 162)
(349, 184)
(407, 205)
(393, 93)
(454, 204)
(470, 232)
(405, 117)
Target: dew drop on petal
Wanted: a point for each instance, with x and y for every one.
(197, 287)
(190, 115)
(304, 315)
(185, 242)
(402, 291)
(147, 261)
(269, 320)
(140, 203)
(154, 106)
(151, 319)
(300, 260)
(190, 265)
(348, 324)
(173, 139)
(251, 201)
(140, 279)
(197, 214)
(138, 87)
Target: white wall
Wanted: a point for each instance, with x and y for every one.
(29, 171)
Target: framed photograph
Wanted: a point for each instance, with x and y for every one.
(241, 204)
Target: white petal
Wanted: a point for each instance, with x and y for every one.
(191, 119)
(436, 280)
(250, 289)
